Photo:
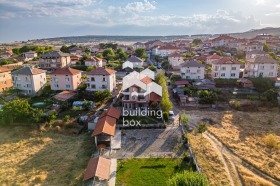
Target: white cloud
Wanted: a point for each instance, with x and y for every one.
(140, 6)
(278, 6)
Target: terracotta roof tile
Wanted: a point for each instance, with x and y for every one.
(66, 71)
(214, 56)
(105, 125)
(112, 112)
(99, 167)
(29, 71)
(101, 71)
(146, 80)
(3, 69)
(226, 60)
(182, 82)
(94, 59)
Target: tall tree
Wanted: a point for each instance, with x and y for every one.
(141, 53)
(197, 41)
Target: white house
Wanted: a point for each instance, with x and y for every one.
(30, 55)
(138, 45)
(127, 64)
(226, 68)
(175, 60)
(29, 80)
(101, 78)
(222, 40)
(258, 65)
(192, 70)
(137, 62)
(76, 51)
(94, 61)
(165, 51)
(252, 46)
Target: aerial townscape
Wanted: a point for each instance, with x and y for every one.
(111, 110)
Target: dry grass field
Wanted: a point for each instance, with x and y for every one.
(248, 134)
(209, 160)
(29, 157)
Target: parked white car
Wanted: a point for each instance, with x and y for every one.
(171, 115)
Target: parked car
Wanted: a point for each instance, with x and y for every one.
(171, 115)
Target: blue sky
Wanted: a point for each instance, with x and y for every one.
(28, 19)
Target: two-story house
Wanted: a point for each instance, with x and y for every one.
(5, 79)
(94, 61)
(192, 70)
(76, 51)
(252, 46)
(222, 40)
(53, 60)
(139, 90)
(30, 55)
(175, 60)
(29, 80)
(164, 51)
(211, 58)
(65, 79)
(136, 61)
(101, 78)
(226, 68)
(259, 64)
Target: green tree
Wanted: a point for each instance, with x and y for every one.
(141, 53)
(202, 127)
(184, 119)
(266, 48)
(262, 84)
(207, 97)
(64, 49)
(188, 178)
(121, 55)
(109, 54)
(89, 68)
(15, 50)
(197, 41)
(152, 67)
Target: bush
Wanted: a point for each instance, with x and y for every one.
(187, 178)
(207, 97)
(237, 105)
(165, 116)
(271, 141)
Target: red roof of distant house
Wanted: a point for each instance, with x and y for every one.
(99, 167)
(112, 112)
(94, 59)
(175, 55)
(74, 58)
(3, 69)
(154, 97)
(101, 71)
(146, 80)
(66, 71)
(105, 125)
(168, 47)
(214, 56)
(182, 82)
(226, 60)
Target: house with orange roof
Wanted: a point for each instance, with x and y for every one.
(222, 40)
(210, 59)
(5, 79)
(97, 171)
(225, 68)
(29, 80)
(101, 78)
(65, 79)
(94, 61)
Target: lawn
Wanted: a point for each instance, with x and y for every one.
(30, 157)
(150, 171)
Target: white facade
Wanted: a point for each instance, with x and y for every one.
(101, 82)
(30, 55)
(29, 84)
(261, 70)
(225, 71)
(175, 61)
(96, 63)
(192, 72)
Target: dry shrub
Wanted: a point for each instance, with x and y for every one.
(270, 141)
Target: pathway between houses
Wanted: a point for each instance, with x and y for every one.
(113, 170)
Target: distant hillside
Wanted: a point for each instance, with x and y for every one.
(254, 32)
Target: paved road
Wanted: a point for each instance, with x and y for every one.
(113, 169)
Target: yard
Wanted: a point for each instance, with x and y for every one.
(30, 157)
(245, 134)
(155, 171)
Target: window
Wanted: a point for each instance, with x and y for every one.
(18, 85)
(28, 85)
(187, 71)
(92, 86)
(232, 75)
(68, 86)
(67, 79)
(188, 77)
(223, 74)
(261, 74)
(103, 79)
(270, 73)
(183, 74)
(223, 68)
(261, 67)
(92, 79)
(56, 86)
(55, 79)
(198, 71)
(272, 67)
(104, 86)
(233, 68)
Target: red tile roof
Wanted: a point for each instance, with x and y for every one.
(66, 71)
(175, 55)
(3, 69)
(105, 125)
(99, 167)
(222, 37)
(94, 59)
(112, 112)
(154, 97)
(214, 56)
(101, 71)
(168, 47)
(146, 80)
(182, 82)
(226, 60)
(64, 95)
